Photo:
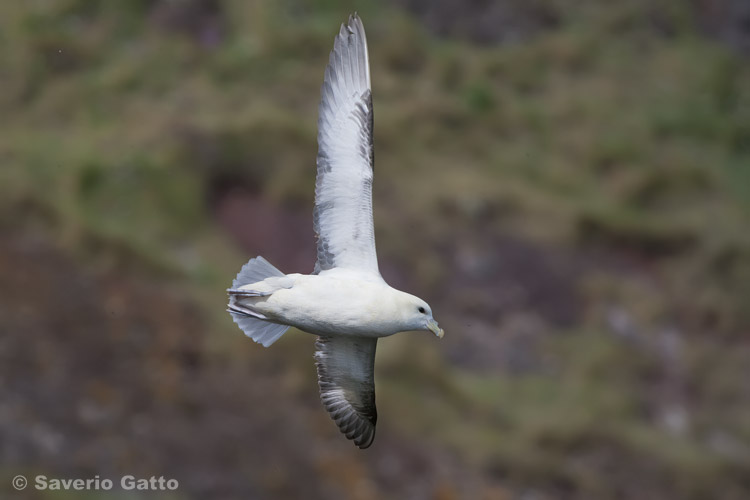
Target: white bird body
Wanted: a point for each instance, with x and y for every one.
(345, 300)
(337, 301)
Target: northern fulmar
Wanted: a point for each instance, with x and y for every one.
(345, 301)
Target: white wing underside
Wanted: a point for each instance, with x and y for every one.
(343, 191)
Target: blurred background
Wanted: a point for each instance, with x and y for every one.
(566, 182)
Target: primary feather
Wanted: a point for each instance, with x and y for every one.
(342, 217)
(347, 386)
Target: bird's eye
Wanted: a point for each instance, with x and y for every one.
(421, 309)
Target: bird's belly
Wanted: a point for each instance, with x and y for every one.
(333, 309)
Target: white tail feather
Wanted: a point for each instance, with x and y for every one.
(252, 323)
(255, 270)
(260, 331)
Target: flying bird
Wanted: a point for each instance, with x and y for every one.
(345, 301)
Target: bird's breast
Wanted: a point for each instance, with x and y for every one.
(335, 306)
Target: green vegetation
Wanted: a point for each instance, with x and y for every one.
(621, 153)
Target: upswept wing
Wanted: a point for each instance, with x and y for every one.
(347, 386)
(342, 218)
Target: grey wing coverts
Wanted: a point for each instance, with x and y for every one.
(342, 218)
(347, 386)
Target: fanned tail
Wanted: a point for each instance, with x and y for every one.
(255, 270)
(252, 323)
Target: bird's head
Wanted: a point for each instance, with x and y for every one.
(418, 315)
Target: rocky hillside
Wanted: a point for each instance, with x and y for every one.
(568, 185)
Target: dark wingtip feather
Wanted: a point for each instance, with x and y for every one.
(355, 419)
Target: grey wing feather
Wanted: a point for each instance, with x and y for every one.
(342, 218)
(347, 386)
